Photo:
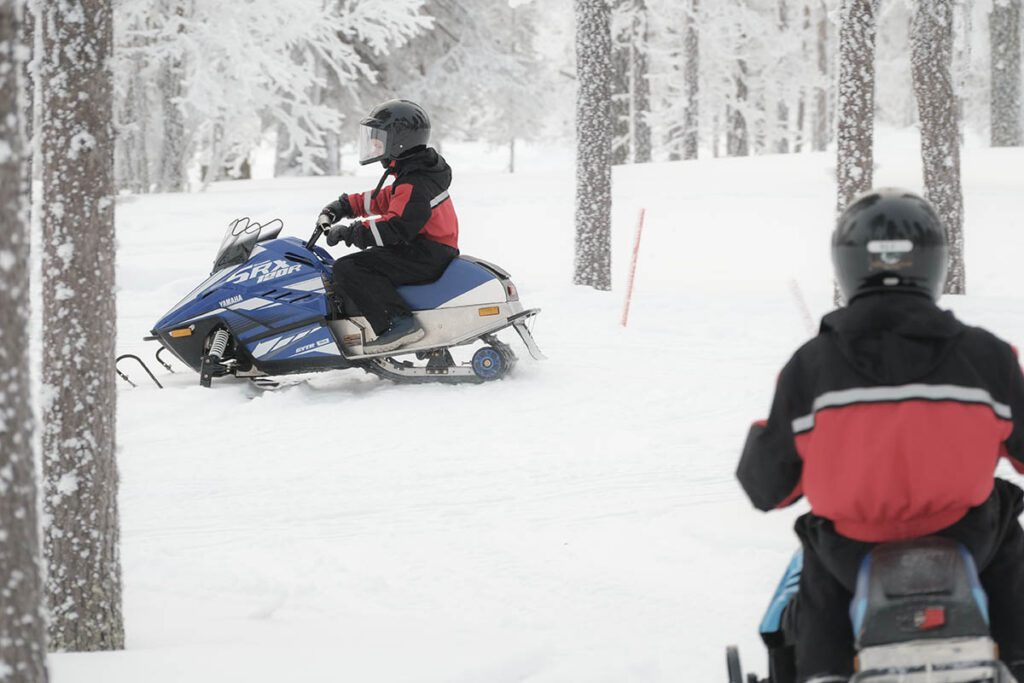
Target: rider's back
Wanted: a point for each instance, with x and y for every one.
(899, 413)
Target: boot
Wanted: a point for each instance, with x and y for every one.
(402, 332)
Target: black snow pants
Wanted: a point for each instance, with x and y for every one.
(366, 281)
(819, 614)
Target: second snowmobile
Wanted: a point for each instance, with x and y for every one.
(920, 615)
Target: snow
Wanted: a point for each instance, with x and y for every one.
(80, 141)
(578, 521)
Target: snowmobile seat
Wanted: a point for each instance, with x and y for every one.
(914, 589)
(461, 276)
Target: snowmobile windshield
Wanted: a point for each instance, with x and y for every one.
(241, 236)
(373, 144)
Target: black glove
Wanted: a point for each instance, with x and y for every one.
(338, 209)
(340, 233)
(353, 235)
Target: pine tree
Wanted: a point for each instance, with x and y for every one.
(932, 61)
(22, 621)
(593, 264)
(79, 328)
(1004, 33)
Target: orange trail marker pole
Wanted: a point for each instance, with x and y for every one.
(632, 267)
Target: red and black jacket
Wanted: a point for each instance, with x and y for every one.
(891, 421)
(417, 203)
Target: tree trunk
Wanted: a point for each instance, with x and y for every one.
(172, 173)
(738, 135)
(641, 89)
(931, 63)
(27, 37)
(593, 262)
(286, 158)
(622, 97)
(801, 139)
(760, 121)
(856, 116)
(79, 329)
(1004, 30)
(214, 168)
(172, 160)
(691, 46)
(782, 135)
(131, 143)
(716, 135)
(781, 143)
(332, 142)
(820, 136)
(22, 620)
(855, 120)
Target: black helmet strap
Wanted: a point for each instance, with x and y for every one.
(380, 183)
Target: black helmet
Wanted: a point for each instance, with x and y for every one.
(889, 240)
(391, 130)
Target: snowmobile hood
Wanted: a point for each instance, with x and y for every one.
(893, 338)
(425, 162)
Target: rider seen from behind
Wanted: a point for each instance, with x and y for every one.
(410, 232)
(891, 422)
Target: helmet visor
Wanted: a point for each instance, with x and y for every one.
(373, 144)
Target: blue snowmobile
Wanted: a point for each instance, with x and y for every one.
(919, 615)
(267, 310)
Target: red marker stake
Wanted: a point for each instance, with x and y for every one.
(632, 267)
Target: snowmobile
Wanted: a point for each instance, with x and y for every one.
(919, 615)
(267, 310)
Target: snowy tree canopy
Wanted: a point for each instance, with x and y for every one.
(247, 66)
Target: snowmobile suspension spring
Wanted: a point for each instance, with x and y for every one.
(219, 344)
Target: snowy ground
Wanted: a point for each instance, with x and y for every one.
(578, 521)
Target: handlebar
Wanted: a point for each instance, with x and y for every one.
(317, 231)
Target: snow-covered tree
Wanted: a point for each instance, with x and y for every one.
(674, 72)
(749, 73)
(22, 624)
(478, 72)
(79, 328)
(856, 103)
(593, 263)
(631, 91)
(208, 80)
(932, 59)
(1004, 31)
